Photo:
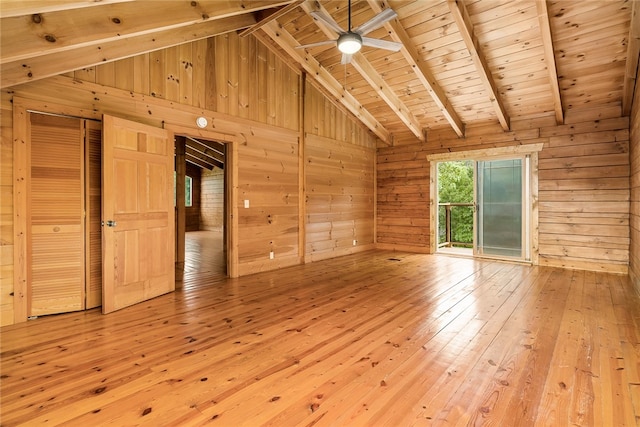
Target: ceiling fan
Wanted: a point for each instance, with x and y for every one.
(350, 41)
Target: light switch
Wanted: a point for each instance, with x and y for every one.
(246, 203)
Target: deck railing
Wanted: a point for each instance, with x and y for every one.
(448, 240)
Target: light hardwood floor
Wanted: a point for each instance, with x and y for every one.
(378, 338)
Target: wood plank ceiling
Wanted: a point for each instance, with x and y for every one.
(463, 62)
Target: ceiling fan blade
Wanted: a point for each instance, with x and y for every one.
(316, 44)
(376, 22)
(382, 44)
(346, 58)
(328, 20)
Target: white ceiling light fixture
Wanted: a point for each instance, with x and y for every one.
(202, 122)
(349, 43)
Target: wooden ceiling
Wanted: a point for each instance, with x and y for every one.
(463, 62)
(203, 153)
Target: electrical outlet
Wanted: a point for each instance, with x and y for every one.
(272, 255)
(246, 203)
(355, 242)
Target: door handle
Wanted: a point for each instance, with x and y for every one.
(110, 223)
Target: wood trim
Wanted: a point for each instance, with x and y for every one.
(181, 171)
(231, 205)
(487, 152)
(633, 53)
(302, 181)
(21, 155)
(535, 212)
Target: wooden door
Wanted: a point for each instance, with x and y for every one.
(138, 213)
(55, 215)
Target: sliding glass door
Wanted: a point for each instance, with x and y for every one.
(498, 216)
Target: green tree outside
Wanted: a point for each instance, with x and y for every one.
(455, 185)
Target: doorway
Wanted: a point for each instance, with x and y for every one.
(483, 204)
(201, 205)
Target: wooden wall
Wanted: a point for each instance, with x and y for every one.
(339, 157)
(634, 217)
(254, 102)
(212, 199)
(583, 188)
(403, 197)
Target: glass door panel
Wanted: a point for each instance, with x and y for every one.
(499, 197)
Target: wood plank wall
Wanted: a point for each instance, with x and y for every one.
(252, 98)
(268, 182)
(229, 74)
(583, 188)
(212, 199)
(339, 166)
(634, 214)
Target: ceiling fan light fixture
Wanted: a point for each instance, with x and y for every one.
(349, 43)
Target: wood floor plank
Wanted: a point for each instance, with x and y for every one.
(379, 338)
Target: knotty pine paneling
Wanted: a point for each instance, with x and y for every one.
(583, 203)
(212, 199)
(340, 197)
(339, 162)
(268, 180)
(403, 197)
(634, 183)
(325, 118)
(229, 74)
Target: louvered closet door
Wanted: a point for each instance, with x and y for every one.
(56, 278)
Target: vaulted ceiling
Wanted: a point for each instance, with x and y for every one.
(462, 62)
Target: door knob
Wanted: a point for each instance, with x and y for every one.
(111, 223)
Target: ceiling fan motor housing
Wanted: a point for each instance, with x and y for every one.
(349, 42)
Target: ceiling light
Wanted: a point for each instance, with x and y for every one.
(202, 122)
(349, 43)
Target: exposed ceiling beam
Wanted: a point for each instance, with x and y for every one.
(550, 58)
(22, 71)
(198, 162)
(421, 69)
(203, 158)
(313, 68)
(202, 146)
(9, 8)
(372, 76)
(43, 34)
(460, 15)
(633, 52)
(271, 17)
